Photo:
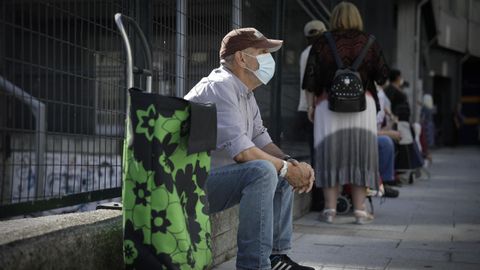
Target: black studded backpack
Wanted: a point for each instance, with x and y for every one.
(346, 93)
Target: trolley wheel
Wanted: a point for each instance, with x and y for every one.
(343, 205)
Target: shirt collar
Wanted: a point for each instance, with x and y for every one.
(242, 88)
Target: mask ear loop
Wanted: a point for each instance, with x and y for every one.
(246, 67)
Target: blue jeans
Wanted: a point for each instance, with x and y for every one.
(386, 158)
(265, 217)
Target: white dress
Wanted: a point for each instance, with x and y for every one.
(346, 146)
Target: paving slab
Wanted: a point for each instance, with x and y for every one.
(425, 265)
(434, 224)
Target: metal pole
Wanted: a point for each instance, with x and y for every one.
(276, 93)
(300, 3)
(314, 8)
(181, 61)
(128, 49)
(416, 72)
(467, 55)
(144, 18)
(129, 68)
(325, 9)
(38, 111)
(236, 14)
(40, 130)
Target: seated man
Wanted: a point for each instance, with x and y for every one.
(247, 168)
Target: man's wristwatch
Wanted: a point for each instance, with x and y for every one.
(289, 158)
(284, 169)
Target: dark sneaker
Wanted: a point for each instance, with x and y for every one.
(395, 183)
(390, 192)
(283, 262)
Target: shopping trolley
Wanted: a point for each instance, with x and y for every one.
(166, 161)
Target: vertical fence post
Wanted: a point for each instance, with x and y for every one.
(143, 15)
(236, 14)
(41, 129)
(181, 59)
(416, 73)
(38, 111)
(276, 93)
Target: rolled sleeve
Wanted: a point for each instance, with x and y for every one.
(238, 145)
(262, 140)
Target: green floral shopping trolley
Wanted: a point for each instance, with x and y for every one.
(165, 165)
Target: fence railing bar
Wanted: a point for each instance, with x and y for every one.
(38, 111)
(17, 209)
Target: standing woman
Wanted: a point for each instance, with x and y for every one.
(345, 143)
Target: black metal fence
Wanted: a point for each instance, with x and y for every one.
(61, 103)
(62, 89)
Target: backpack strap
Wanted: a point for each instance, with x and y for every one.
(333, 47)
(363, 53)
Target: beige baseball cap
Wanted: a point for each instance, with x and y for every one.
(242, 38)
(313, 28)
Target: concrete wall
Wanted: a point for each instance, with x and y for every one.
(474, 38)
(452, 31)
(93, 240)
(474, 28)
(301, 204)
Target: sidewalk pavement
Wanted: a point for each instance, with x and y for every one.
(434, 224)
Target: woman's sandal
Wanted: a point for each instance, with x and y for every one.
(362, 217)
(328, 215)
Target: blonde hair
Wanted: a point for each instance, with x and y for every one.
(345, 16)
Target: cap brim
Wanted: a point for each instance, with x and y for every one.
(272, 45)
(277, 44)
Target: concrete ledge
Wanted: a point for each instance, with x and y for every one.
(224, 235)
(93, 240)
(89, 240)
(301, 204)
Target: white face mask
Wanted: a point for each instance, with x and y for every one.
(266, 67)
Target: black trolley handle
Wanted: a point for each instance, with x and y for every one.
(128, 49)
